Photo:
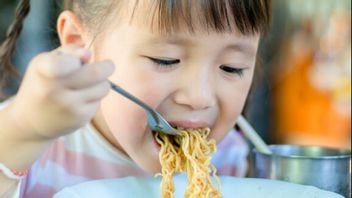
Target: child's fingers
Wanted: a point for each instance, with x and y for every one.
(93, 93)
(88, 109)
(61, 62)
(90, 75)
(83, 54)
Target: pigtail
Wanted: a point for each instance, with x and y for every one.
(7, 48)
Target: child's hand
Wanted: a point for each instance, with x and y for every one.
(60, 94)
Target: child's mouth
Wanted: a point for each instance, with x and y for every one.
(155, 136)
(157, 139)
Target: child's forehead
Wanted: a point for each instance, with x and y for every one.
(247, 46)
(141, 38)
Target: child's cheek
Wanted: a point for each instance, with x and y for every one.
(153, 98)
(152, 89)
(231, 105)
(122, 115)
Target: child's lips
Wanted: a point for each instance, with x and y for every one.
(189, 124)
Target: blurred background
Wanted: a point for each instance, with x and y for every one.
(302, 93)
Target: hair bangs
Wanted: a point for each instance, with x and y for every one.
(248, 16)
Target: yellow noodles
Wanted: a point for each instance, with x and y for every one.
(188, 152)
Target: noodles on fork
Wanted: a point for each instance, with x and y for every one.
(188, 152)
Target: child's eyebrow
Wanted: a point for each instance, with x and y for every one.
(249, 50)
(171, 40)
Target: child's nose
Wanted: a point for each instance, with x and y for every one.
(196, 91)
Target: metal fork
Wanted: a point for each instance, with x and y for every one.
(155, 121)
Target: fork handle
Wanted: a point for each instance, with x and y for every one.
(123, 92)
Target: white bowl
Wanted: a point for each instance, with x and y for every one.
(231, 187)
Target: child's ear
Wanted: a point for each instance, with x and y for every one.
(70, 29)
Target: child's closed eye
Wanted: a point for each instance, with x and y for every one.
(164, 63)
(169, 63)
(232, 70)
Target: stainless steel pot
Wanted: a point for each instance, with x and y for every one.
(325, 168)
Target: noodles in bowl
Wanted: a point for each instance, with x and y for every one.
(189, 152)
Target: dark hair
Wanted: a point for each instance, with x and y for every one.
(249, 16)
(7, 70)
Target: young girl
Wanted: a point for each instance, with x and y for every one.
(192, 61)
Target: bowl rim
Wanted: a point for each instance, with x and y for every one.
(342, 156)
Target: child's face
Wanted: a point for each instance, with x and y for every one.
(193, 80)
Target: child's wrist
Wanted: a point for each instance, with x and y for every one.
(26, 145)
(26, 130)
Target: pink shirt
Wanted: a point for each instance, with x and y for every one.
(85, 155)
